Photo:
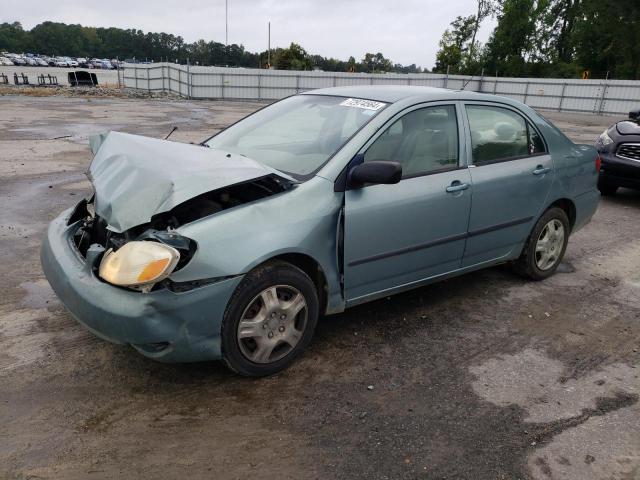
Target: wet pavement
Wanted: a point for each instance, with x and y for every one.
(485, 376)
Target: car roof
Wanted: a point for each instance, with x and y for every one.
(395, 93)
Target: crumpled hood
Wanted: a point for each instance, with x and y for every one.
(137, 177)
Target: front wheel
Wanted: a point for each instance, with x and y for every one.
(270, 320)
(545, 246)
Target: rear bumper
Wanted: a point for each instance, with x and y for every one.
(166, 326)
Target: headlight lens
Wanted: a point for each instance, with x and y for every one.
(605, 139)
(138, 264)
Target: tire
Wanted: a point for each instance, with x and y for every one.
(266, 326)
(607, 188)
(534, 262)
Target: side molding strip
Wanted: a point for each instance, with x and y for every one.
(440, 241)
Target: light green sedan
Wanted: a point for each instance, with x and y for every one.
(234, 248)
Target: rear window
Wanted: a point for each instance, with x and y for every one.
(496, 134)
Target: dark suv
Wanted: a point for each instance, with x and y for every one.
(619, 149)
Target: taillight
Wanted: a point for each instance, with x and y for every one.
(598, 163)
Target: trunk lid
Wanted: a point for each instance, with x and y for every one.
(135, 177)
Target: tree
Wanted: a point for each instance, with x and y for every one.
(510, 44)
(293, 58)
(375, 63)
(561, 18)
(486, 8)
(13, 38)
(454, 44)
(351, 64)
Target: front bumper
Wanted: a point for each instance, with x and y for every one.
(619, 171)
(166, 326)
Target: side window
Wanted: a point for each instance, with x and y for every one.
(536, 145)
(423, 141)
(499, 134)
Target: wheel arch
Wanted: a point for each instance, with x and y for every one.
(311, 267)
(569, 208)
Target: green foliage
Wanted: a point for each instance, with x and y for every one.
(293, 58)
(13, 37)
(547, 38)
(510, 45)
(607, 38)
(375, 63)
(454, 45)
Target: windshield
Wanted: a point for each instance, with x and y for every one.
(298, 134)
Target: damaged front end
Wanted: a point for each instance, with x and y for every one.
(145, 189)
(93, 231)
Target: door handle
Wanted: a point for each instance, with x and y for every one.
(540, 170)
(457, 186)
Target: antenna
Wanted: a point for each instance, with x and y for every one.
(172, 130)
(269, 46)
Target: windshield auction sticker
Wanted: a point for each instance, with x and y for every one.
(360, 103)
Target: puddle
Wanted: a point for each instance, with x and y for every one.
(594, 417)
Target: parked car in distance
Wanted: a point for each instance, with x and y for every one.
(5, 62)
(60, 62)
(106, 64)
(619, 149)
(232, 249)
(71, 62)
(18, 61)
(41, 62)
(30, 61)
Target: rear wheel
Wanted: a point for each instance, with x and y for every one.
(545, 246)
(270, 320)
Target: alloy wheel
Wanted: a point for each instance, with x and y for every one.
(272, 324)
(550, 244)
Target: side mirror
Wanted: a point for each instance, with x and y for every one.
(377, 171)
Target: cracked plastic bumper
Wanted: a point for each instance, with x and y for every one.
(166, 326)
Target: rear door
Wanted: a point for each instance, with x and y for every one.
(397, 235)
(512, 173)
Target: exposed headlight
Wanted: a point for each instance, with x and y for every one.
(605, 139)
(138, 264)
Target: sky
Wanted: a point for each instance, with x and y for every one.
(405, 31)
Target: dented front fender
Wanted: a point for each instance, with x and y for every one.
(303, 220)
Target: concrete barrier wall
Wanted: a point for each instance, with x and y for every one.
(589, 96)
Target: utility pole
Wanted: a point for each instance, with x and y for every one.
(269, 46)
(226, 23)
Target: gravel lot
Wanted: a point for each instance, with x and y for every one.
(485, 376)
(104, 76)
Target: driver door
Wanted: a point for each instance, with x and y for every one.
(396, 236)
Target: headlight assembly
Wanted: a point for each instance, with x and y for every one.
(605, 139)
(138, 264)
